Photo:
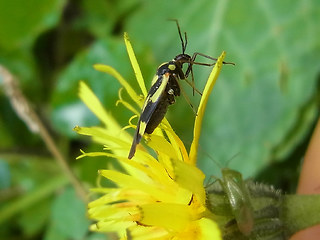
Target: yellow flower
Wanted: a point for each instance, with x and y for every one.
(155, 198)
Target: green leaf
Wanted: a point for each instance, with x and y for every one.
(33, 220)
(15, 206)
(68, 111)
(69, 215)
(5, 175)
(52, 233)
(22, 21)
(102, 18)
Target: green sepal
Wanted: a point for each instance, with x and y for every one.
(236, 203)
(300, 212)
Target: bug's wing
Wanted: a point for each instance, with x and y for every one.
(148, 109)
(239, 199)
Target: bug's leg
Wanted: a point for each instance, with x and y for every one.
(192, 80)
(192, 77)
(206, 56)
(129, 237)
(194, 88)
(187, 99)
(183, 76)
(203, 55)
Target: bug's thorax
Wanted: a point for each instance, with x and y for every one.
(181, 59)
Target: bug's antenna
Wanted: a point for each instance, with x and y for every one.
(183, 42)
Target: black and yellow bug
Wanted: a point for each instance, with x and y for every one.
(164, 88)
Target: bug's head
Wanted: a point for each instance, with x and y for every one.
(182, 58)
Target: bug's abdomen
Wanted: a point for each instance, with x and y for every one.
(159, 113)
(167, 98)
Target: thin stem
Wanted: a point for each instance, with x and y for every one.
(24, 110)
(26, 201)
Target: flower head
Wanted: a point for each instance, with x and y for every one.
(160, 197)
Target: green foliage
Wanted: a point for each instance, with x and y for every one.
(35, 218)
(301, 211)
(69, 208)
(261, 109)
(5, 177)
(23, 21)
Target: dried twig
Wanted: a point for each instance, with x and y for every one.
(24, 110)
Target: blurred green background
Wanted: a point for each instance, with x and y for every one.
(259, 118)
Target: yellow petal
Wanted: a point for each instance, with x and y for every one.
(148, 233)
(110, 70)
(177, 143)
(191, 178)
(203, 229)
(161, 145)
(168, 215)
(127, 181)
(93, 103)
(111, 226)
(125, 103)
(135, 64)
(114, 137)
(203, 103)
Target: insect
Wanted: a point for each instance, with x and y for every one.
(164, 88)
(245, 209)
(239, 199)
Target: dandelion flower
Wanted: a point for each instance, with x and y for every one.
(159, 197)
